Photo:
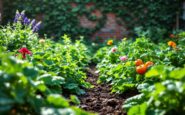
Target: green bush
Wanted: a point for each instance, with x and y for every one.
(36, 73)
(25, 90)
(160, 86)
(122, 74)
(165, 97)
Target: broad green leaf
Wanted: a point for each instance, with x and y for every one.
(138, 109)
(75, 99)
(30, 72)
(57, 100)
(51, 80)
(55, 111)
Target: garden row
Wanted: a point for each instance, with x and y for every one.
(156, 71)
(36, 74)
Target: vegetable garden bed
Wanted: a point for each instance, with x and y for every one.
(40, 76)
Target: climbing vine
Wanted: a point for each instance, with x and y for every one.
(61, 16)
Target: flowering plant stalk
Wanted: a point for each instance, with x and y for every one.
(21, 18)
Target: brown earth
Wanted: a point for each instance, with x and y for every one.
(99, 99)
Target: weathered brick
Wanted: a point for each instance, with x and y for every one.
(111, 28)
(84, 22)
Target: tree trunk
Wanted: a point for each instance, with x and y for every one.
(1, 10)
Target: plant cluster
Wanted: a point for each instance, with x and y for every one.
(164, 97)
(149, 68)
(37, 74)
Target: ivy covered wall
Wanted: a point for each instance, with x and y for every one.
(64, 16)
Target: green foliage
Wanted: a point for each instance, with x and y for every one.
(122, 74)
(157, 34)
(74, 99)
(161, 87)
(49, 56)
(24, 92)
(17, 36)
(138, 110)
(36, 84)
(165, 97)
(99, 55)
(67, 60)
(65, 111)
(60, 16)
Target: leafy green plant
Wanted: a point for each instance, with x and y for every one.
(36, 74)
(123, 74)
(16, 37)
(164, 97)
(66, 59)
(24, 89)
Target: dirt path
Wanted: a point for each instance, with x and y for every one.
(99, 99)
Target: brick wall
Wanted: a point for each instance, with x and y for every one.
(111, 29)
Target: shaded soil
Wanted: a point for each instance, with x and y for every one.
(100, 100)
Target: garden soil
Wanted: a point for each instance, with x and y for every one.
(99, 99)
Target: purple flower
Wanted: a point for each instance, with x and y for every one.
(33, 23)
(22, 15)
(26, 21)
(17, 15)
(36, 27)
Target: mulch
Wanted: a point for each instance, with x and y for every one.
(99, 99)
